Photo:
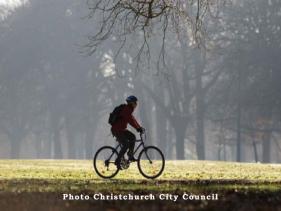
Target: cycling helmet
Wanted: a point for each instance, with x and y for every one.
(131, 99)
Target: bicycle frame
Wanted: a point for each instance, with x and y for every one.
(137, 148)
(138, 140)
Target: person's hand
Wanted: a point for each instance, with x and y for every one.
(140, 130)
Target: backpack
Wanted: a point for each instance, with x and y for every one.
(114, 115)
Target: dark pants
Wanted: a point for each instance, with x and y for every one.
(127, 140)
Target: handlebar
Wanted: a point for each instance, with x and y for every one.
(143, 133)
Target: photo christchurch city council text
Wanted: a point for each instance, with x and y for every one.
(129, 196)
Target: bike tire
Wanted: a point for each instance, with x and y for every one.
(147, 156)
(99, 162)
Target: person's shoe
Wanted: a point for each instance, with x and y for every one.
(117, 163)
(133, 159)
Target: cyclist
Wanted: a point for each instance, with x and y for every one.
(119, 130)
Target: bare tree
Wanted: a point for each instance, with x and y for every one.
(123, 19)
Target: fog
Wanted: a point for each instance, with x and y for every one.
(217, 102)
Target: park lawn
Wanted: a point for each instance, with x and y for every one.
(178, 176)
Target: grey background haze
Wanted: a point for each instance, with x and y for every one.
(205, 104)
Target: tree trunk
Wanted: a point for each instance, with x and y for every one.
(38, 145)
(70, 130)
(16, 136)
(169, 140)
(200, 139)
(56, 138)
(266, 136)
(255, 151)
(161, 130)
(224, 149)
(266, 143)
(219, 153)
(145, 113)
(48, 145)
(90, 139)
(238, 120)
(200, 110)
(71, 143)
(15, 146)
(180, 128)
(57, 144)
(220, 146)
(180, 144)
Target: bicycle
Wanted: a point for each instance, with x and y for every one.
(150, 161)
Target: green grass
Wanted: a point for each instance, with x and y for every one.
(78, 176)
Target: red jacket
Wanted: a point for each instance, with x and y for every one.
(125, 118)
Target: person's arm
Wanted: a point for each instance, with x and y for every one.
(133, 122)
(131, 119)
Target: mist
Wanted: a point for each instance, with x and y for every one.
(218, 102)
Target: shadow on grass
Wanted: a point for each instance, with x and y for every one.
(39, 194)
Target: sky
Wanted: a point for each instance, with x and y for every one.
(8, 6)
(12, 3)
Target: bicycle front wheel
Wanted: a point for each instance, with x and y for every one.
(104, 162)
(151, 162)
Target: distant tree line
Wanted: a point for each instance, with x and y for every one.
(209, 87)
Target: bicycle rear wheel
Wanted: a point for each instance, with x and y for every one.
(151, 162)
(104, 162)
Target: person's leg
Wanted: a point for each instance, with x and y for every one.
(122, 139)
(131, 140)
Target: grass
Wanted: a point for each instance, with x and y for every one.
(178, 176)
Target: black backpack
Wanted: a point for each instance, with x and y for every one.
(114, 115)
